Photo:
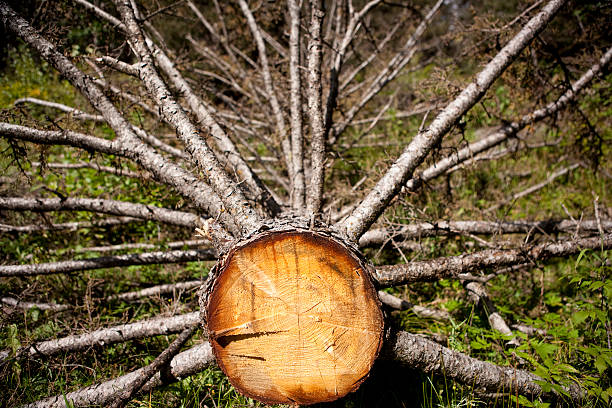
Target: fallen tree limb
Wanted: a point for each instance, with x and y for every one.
(480, 296)
(20, 304)
(419, 353)
(121, 208)
(140, 245)
(408, 349)
(147, 372)
(534, 188)
(400, 304)
(429, 229)
(368, 211)
(147, 258)
(110, 335)
(156, 290)
(452, 266)
(68, 226)
(510, 130)
(184, 364)
(92, 165)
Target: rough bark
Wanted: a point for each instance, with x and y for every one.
(68, 226)
(419, 353)
(155, 291)
(442, 227)
(390, 184)
(295, 96)
(510, 130)
(453, 266)
(183, 365)
(147, 258)
(113, 207)
(110, 335)
(128, 144)
(202, 156)
(147, 372)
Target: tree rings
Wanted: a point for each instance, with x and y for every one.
(293, 318)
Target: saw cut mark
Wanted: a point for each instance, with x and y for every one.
(294, 319)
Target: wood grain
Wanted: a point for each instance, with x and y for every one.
(293, 318)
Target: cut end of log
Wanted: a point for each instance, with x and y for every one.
(293, 318)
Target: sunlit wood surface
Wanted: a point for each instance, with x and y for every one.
(294, 318)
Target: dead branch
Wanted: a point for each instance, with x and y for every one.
(68, 226)
(113, 207)
(147, 372)
(110, 335)
(400, 304)
(451, 267)
(22, 305)
(295, 96)
(429, 229)
(75, 113)
(480, 296)
(417, 352)
(533, 189)
(156, 291)
(147, 258)
(169, 245)
(314, 93)
(390, 184)
(91, 165)
(510, 130)
(183, 365)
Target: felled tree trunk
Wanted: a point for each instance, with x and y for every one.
(293, 317)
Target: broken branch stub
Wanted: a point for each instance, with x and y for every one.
(293, 317)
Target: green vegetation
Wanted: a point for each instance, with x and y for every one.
(567, 299)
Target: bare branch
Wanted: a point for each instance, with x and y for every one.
(295, 96)
(119, 65)
(147, 372)
(480, 296)
(184, 364)
(429, 229)
(75, 113)
(245, 217)
(122, 247)
(147, 258)
(95, 166)
(113, 207)
(20, 304)
(156, 291)
(110, 335)
(389, 185)
(417, 352)
(451, 267)
(533, 189)
(315, 113)
(400, 304)
(68, 226)
(511, 129)
(127, 143)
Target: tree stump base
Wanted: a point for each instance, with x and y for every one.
(293, 318)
